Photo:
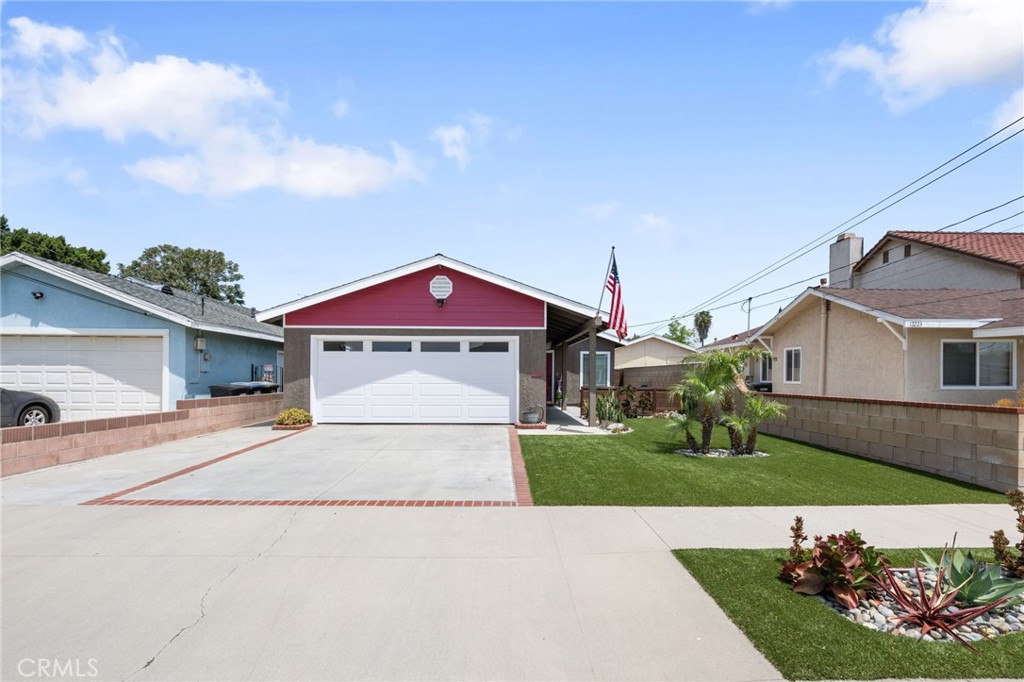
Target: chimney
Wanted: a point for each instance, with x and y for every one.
(842, 256)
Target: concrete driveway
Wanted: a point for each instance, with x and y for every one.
(363, 463)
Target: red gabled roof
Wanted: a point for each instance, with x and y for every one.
(1006, 248)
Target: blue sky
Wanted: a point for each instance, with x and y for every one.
(318, 143)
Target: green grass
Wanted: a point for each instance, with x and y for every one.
(642, 469)
(805, 640)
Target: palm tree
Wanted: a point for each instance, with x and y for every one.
(686, 425)
(712, 379)
(756, 411)
(702, 323)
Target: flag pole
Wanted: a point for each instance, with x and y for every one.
(604, 283)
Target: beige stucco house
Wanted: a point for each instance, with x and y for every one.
(651, 350)
(899, 334)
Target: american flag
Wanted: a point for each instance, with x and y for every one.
(617, 319)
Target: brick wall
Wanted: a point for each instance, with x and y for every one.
(975, 443)
(663, 377)
(26, 448)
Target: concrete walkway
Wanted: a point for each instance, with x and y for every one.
(317, 593)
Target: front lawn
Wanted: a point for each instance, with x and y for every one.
(806, 640)
(642, 469)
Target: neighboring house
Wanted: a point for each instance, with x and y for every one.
(651, 350)
(759, 370)
(922, 324)
(434, 341)
(105, 346)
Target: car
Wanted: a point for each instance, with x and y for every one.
(760, 386)
(23, 408)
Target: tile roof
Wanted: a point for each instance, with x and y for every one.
(1000, 247)
(940, 304)
(740, 338)
(186, 303)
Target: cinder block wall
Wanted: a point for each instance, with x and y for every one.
(663, 377)
(27, 448)
(979, 444)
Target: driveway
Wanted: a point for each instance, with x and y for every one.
(328, 464)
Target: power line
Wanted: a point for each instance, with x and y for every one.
(815, 243)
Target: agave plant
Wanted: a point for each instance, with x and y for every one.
(980, 583)
(929, 610)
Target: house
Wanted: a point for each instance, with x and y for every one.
(436, 341)
(759, 370)
(932, 317)
(651, 350)
(106, 346)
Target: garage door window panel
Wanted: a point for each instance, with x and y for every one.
(343, 346)
(392, 346)
(440, 346)
(488, 347)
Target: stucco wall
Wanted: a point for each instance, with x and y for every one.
(648, 353)
(865, 360)
(925, 360)
(978, 444)
(801, 330)
(532, 344)
(230, 359)
(933, 268)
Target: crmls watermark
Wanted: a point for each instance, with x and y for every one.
(56, 668)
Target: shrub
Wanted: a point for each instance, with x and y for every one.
(1017, 401)
(609, 409)
(293, 416)
(840, 564)
(627, 397)
(645, 403)
(1011, 561)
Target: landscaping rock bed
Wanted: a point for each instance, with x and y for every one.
(879, 612)
(719, 452)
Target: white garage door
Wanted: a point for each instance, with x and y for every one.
(88, 376)
(436, 380)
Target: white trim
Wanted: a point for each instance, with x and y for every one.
(977, 369)
(998, 332)
(785, 365)
(417, 266)
(128, 299)
(316, 339)
(403, 327)
(163, 334)
(659, 337)
(902, 337)
(608, 364)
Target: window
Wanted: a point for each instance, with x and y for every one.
(439, 347)
(392, 346)
(343, 346)
(488, 346)
(906, 250)
(978, 364)
(885, 257)
(792, 366)
(765, 369)
(603, 378)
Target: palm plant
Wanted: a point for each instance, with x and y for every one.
(756, 411)
(702, 323)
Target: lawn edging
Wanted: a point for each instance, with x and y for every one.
(28, 448)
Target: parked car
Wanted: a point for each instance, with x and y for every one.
(760, 386)
(23, 408)
(241, 388)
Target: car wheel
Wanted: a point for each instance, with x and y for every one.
(34, 416)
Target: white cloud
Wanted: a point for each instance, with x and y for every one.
(454, 141)
(925, 51)
(1009, 111)
(656, 227)
(340, 108)
(219, 119)
(601, 211)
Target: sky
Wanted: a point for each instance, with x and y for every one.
(318, 143)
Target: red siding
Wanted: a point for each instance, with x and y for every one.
(406, 302)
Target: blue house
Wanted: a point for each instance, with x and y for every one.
(104, 346)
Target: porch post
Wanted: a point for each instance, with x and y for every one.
(592, 372)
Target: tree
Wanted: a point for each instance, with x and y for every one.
(702, 323)
(756, 410)
(53, 248)
(677, 331)
(201, 271)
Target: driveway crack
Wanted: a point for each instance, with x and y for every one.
(202, 600)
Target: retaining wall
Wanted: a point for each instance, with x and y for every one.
(979, 444)
(27, 448)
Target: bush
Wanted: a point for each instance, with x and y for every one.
(609, 409)
(293, 416)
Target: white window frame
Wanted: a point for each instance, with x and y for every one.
(977, 368)
(786, 365)
(608, 365)
(763, 364)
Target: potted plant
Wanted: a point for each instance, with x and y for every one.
(293, 419)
